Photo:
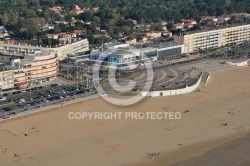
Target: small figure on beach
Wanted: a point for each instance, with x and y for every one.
(224, 124)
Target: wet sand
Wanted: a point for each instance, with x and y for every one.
(217, 114)
(234, 153)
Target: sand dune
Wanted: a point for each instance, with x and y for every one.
(217, 114)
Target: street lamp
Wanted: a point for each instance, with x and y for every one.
(30, 94)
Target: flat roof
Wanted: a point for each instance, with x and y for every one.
(158, 44)
(122, 52)
(6, 68)
(214, 28)
(22, 46)
(24, 61)
(44, 53)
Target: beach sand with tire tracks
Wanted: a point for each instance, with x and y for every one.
(211, 117)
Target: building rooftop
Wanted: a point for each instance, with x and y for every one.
(22, 46)
(25, 61)
(213, 28)
(158, 44)
(6, 68)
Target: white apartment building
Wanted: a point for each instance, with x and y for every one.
(194, 42)
(62, 51)
(6, 78)
(71, 48)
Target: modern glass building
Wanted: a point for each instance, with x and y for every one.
(127, 56)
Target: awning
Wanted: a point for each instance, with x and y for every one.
(21, 83)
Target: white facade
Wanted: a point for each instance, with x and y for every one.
(154, 34)
(6, 79)
(62, 52)
(72, 48)
(213, 39)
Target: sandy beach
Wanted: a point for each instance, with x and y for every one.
(212, 117)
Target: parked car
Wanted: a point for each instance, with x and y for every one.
(6, 109)
(2, 98)
(22, 101)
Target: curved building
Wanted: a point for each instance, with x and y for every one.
(37, 68)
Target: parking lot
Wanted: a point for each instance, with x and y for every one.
(37, 97)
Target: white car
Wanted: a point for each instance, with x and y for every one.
(45, 100)
(22, 101)
(2, 98)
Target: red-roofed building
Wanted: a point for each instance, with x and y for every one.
(10, 42)
(52, 36)
(76, 11)
(56, 9)
(188, 25)
(213, 18)
(77, 32)
(147, 38)
(64, 38)
(179, 26)
(189, 22)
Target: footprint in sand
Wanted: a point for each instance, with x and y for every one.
(112, 148)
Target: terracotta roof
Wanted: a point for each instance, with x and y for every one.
(10, 42)
(77, 11)
(178, 24)
(189, 21)
(55, 8)
(51, 35)
(77, 31)
(147, 37)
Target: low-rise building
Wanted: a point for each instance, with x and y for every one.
(189, 22)
(131, 41)
(131, 55)
(154, 34)
(179, 26)
(188, 25)
(52, 36)
(76, 11)
(56, 9)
